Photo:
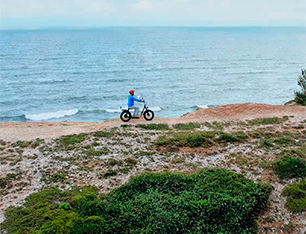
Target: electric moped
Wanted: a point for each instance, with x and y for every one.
(126, 115)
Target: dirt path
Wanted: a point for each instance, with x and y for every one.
(15, 131)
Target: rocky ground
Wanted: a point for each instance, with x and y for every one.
(37, 155)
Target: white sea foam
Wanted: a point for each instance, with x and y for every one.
(202, 106)
(51, 115)
(113, 110)
(155, 108)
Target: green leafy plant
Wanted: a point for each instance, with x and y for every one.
(300, 97)
(290, 167)
(283, 141)
(232, 137)
(93, 152)
(107, 134)
(264, 121)
(56, 177)
(153, 126)
(64, 206)
(296, 197)
(209, 201)
(186, 126)
(109, 173)
(188, 139)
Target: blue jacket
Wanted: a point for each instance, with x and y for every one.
(131, 101)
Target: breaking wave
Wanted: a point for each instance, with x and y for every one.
(51, 115)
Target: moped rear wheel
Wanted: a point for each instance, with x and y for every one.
(148, 115)
(125, 116)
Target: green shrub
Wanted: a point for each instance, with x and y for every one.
(300, 152)
(190, 139)
(109, 173)
(300, 97)
(70, 140)
(93, 152)
(218, 125)
(36, 142)
(302, 81)
(209, 201)
(290, 167)
(6, 181)
(39, 213)
(186, 126)
(131, 161)
(264, 121)
(178, 160)
(107, 134)
(56, 177)
(266, 143)
(232, 137)
(283, 141)
(295, 152)
(113, 162)
(296, 197)
(22, 144)
(64, 206)
(92, 224)
(153, 126)
(125, 125)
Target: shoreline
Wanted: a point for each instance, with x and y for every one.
(31, 166)
(26, 131)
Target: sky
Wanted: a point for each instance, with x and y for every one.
(23, 14)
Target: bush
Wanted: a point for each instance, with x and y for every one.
(290, 167)
(264, 121)
(283, 141)
(302, 81)
(106, 134)
(296, 197)
(57, 177)
(189, 139)
(64, 206)
(153, 126)
(300, 97)
(186, 126)
(210, 201)
(232, 137)
(109, 173)
(71, 139)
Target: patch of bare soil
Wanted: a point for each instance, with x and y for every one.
(246, 111)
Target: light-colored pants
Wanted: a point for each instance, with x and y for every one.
(136, 110)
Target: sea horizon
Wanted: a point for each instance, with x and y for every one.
(149, 26)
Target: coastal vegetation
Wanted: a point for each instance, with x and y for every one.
(300, 96)
(209, 177)
(208, 201)
(296, 197)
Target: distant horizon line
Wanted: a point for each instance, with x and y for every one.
(149, 26)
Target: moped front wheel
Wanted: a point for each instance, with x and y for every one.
(125, 116)
(148, 115)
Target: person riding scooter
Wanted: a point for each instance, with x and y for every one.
(130, 104)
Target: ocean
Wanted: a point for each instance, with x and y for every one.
(85, 74)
